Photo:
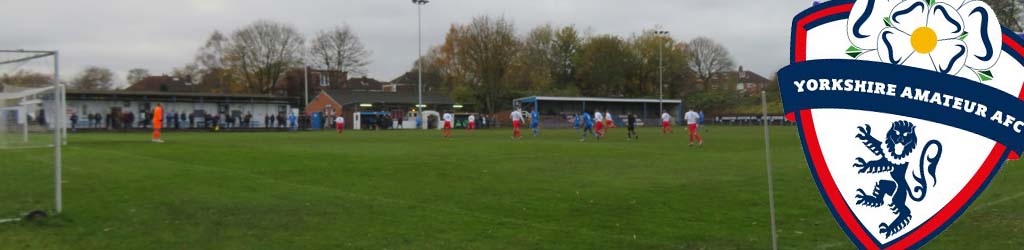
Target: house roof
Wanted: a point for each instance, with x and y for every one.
(364, 83)
(346, 97)
(161, 84)
(751, 77)
(412, 77)
(157, 94)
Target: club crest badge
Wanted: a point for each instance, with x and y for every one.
(906, 110)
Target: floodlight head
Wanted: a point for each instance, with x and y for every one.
(420, 2)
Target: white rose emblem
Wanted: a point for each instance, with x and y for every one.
(955, 37)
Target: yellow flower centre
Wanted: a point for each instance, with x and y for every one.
(924, 40)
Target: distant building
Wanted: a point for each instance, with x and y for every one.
(292, 84)
(743, 81)
(647, 110)
(162, 83)
(431, 81)
(365, 84)
(398, 105)
(749, 82)
(115, 103)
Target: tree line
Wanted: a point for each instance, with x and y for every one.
(252, 59)
(486, 62)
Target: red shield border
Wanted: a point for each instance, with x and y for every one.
(840, 10)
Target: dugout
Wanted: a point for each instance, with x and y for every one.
(110, 105)
(555, 110)
(397, 106)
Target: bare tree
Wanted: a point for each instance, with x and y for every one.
(211, 55)
(190, 73)
(707, 59)
(339, 49)
(136, 75)
(94, 78)
(262, 52)
(210, 69)
(486, 48)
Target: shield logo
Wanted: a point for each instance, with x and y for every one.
(906, 110)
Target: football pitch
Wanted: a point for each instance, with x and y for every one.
(414, 190)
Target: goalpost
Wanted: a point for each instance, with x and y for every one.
(33, 117)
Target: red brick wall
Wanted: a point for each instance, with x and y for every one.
(320, 102)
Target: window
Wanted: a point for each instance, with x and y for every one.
(325, 80)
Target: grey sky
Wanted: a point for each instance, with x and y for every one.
(161, 35)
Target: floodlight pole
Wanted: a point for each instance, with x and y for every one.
(58, 140)
(768, 161)
(661, 69)
(305, 84)
(661, 79)
(419, 59)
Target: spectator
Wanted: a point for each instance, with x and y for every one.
(166, 120)
(127, 120)
(74, 121)
(41, 118)
(248, 120)
(177, 121)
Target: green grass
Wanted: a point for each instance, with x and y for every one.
(412, 190)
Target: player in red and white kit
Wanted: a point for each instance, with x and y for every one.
(666, 122)
(472, 123)
(339, 123)
(517, 120)
(691, 121)
(599, 124)
(448, 120)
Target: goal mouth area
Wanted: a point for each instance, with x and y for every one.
(33, 122)
(28, 117)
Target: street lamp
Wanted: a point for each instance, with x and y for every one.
(419, 58)
(661, 83)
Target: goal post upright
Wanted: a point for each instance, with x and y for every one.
(61, 134)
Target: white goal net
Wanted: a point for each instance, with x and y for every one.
(33, 118)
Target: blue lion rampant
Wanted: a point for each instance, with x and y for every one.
(900, 142)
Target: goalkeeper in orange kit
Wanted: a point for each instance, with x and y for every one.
(158, 122)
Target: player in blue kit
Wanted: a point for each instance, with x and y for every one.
(576, 122)
(535, 123)
(588, 126)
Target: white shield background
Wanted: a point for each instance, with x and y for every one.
(963, 151)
